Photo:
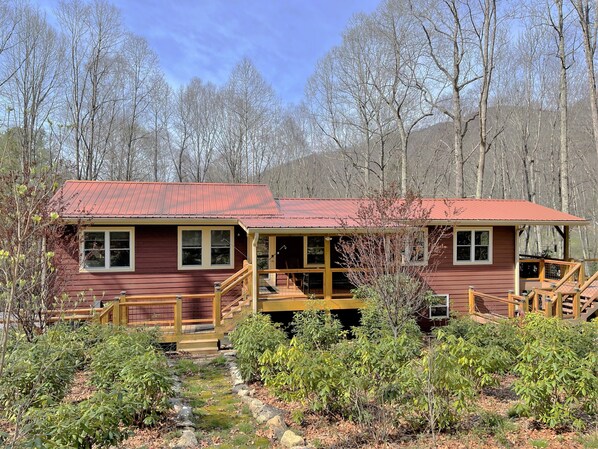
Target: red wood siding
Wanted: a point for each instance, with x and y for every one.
(496, 278)
(156, 272)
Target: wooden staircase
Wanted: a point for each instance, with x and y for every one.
(235, 291)
(573, 297)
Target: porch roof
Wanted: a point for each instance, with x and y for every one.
(321, 214)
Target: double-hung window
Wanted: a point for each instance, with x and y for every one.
(107, 249)
(472, 246)
(439, 307)
(415, 247)
(201, 247)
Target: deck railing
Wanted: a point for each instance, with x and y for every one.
(302, 283)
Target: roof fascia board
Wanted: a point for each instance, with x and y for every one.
(464, 223)
(149, 221)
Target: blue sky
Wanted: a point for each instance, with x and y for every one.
(206, 38)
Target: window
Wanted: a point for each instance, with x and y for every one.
(415, 248)
(105, 249)
(314, 251)
(473, 246)
(191, 247)
(439, 307)
(220, 247)
(205, 247)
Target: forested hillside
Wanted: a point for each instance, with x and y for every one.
(474, 98)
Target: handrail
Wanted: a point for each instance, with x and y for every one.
(236, 282)
(575, 268)
(589, 282)
(167, 297)
(233, 277)
(104, 313)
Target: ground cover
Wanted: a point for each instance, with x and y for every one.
(221, 419)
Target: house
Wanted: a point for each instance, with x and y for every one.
(200, 254)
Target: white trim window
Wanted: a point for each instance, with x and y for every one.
(472, 246)
(205, 247)
(107, 249)
(439, 307)
(415, 249)
(313, 251)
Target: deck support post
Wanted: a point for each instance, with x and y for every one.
(559, 305)
(581, 274)
(116, 312)
(217, 305)
(547, 307)
(124, 314)
(255, 278)
(566, 246)
(178, 317)
(327, 269)
(577, 304)
(471, 300)
(511, 305)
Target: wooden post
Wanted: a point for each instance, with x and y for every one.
(178, 317)
(525, 306)
(216, 312)
(559, 305)
(536, 302)
(124, 314)
(511, 305)
(547, 307)
(327, 270)
(116, 312)
(471, 300)
(566, 246)
(581, 275)
(577, 303)
(541, 270)
(255, 278)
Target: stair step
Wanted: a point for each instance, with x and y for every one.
(198, 344)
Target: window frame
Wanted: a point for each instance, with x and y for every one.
(472, 260)
(447, 304)
(107, 268)
(313, 265)
(206, 247)
(421, 263)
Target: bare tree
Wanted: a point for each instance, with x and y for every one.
(449, 42)
(35, 63)
(588, 24)
(391, 253)
(93, 33)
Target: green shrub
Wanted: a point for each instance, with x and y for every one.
(558, 377)
(316, 378)
(317, 329)
(39, 373)
(146, 384)
(438, 391)
(251, 338)
(483, 364)
(93, 423)
(108, 358)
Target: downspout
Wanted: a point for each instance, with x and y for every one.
(254, 277)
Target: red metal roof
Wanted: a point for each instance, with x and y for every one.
(255, 207)
(327, 213)
(117, 199)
